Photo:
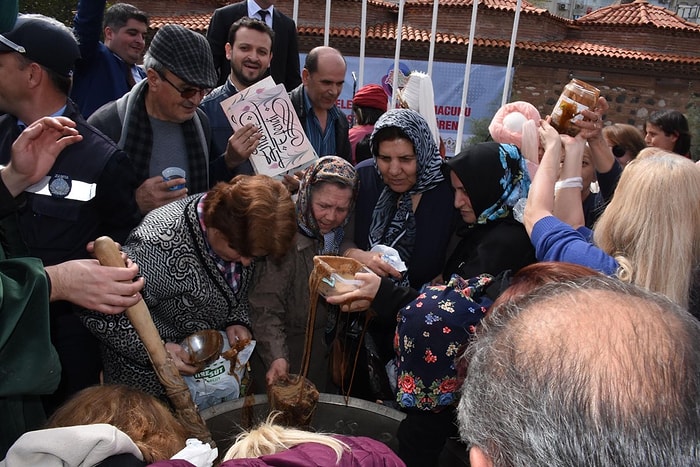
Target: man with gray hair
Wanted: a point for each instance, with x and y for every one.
(158, 123)
(590, 372)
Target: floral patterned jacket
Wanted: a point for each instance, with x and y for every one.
(429, 333)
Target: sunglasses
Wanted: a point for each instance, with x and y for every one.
(17, 48)
(184, 93)
(619, 151)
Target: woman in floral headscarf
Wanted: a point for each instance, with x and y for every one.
(405, 202)
(491, 184)
(279, 298)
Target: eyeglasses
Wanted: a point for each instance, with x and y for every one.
(619, 151)
(184, 93)
(16, 47)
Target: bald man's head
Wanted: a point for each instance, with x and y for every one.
(589, 372)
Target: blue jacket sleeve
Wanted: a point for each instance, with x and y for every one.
(555, 240)
(87, 26)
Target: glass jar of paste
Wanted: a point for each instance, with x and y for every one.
(576, 96)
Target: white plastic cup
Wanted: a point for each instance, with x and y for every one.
(172, 173)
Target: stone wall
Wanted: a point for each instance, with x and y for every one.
(631, 97)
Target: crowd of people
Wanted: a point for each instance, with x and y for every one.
(535, 273)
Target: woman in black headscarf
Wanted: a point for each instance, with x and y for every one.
(491, 183)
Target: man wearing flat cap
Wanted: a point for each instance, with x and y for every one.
(158, 123)
(88, 192)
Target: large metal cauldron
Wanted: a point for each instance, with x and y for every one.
(358, 418)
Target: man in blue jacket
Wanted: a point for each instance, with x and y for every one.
(107, 71)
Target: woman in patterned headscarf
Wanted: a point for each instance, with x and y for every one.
(491, 184)
(408, 206)
(279, 298)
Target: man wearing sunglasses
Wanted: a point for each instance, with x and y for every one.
(158, 123)
(87, 192)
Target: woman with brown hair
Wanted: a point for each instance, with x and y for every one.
(107, 425)
(669, 130)
(625, 141)
(197, 256)
(145, 419)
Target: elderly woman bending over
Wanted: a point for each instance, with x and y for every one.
(279, 297)
(198, 256)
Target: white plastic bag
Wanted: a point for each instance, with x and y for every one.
(217, 383)
(197, 453)
(391, 256)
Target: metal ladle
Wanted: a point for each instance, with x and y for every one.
(203, 347)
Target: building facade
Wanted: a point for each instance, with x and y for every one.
(642, 57)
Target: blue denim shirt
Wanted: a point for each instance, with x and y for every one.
(322, 142)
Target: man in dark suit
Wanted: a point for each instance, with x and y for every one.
(285, 62)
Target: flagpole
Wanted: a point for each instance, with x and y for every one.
(433, 33)
(363, 38)
(397, 55)
(467, 71)
(511, 53)
(327, 28)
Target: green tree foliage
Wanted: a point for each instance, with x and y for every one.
(480, 130)
(62, 10)
(692, 113)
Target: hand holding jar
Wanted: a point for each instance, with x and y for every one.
(576, 97)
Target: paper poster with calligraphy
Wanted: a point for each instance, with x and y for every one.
(283, 146)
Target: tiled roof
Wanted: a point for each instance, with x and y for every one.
(629, 15)
(504, 5)
(583, 48)
(639, 12)
(387, 31)
(162, 13)
(197, 22)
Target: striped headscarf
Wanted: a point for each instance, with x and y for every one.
(393, 223)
